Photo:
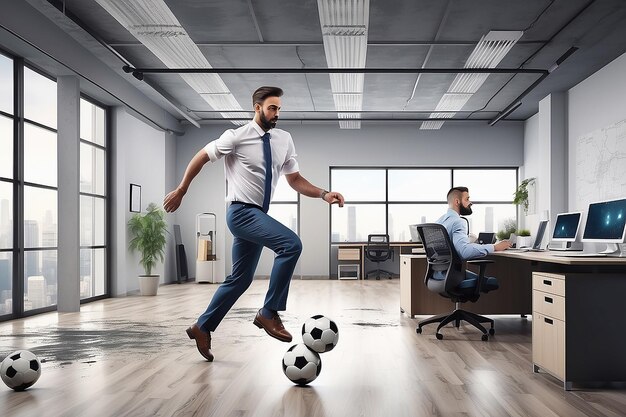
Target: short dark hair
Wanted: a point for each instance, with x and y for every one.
(262, 93)
(455, 191)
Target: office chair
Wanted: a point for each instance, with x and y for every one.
(378, 250)
(446, 275)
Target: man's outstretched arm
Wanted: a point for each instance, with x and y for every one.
(173, 199)
(301, 185)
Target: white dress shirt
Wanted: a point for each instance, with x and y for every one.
(457, 230)
(244, 165)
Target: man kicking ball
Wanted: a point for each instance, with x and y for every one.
(255, 155)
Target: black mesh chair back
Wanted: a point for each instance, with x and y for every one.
(445, 268)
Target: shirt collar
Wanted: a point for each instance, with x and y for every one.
(453, 212)
(258, 129)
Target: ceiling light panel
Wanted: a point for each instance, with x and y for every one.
(488, 53)
(344, 26)
(155, 26)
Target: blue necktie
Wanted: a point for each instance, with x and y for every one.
(267, 155)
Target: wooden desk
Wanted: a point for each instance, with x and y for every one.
(513, 297)
(514, 273)
(577, 306)
(399, 247)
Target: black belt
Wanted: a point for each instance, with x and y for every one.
(249, 205)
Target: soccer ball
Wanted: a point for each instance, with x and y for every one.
(301, 365)
(320, 334)
(20, 370)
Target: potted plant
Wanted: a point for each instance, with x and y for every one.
(520, 197)
(147, 231)
(509, 227)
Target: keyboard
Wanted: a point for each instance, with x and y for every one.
(525, 250)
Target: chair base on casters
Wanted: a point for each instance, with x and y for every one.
(378, 273)
(455, 317)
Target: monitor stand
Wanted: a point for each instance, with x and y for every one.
(617, 250)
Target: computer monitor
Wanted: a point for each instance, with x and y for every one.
(415, 236)
(541, 230)
(566, 227)
(606, 222)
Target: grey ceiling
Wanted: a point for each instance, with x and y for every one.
(402, 34)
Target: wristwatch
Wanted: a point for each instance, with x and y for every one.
(324, 192)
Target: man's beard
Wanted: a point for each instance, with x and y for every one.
(465, 211)
(267, 124)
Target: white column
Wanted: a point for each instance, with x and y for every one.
(552, 181)
(68, 121)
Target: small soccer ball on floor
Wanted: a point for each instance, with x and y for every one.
(301, 365)
(20, 370)
(320, 333)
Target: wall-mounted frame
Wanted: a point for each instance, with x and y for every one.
(135, 198)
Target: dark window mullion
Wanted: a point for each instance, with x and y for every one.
(18, 188)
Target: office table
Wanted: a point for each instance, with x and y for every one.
(349, 248)
(577, 304)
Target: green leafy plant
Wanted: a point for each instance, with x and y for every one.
(148, 231)
(523, 232)
(520, 197)
(509, 226)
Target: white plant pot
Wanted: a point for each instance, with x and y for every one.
(524, 241)
(149, 284)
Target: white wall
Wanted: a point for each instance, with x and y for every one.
(320, 146)
(145, 156)
(597, 102)
(594, 103)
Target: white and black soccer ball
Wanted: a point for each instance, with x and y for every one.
(320, 334)
(20, 370)
(301, 365)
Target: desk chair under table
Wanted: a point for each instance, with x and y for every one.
(378, 250)
(447, 276)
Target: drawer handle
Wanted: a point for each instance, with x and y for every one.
(547, 282)
(549, 321)
(404, 262)
(548, 299)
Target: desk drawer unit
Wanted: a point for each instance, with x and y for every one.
(348, 254)
(548, 341)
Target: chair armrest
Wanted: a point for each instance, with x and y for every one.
(482, 265)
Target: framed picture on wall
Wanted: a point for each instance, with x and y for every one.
(135, 198)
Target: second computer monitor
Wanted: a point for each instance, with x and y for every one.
(566, 227)
(606, 222)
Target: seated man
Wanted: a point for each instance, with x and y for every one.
(459, 204)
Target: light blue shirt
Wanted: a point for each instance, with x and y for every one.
(457, 230)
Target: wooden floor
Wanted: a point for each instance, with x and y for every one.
(130, 357)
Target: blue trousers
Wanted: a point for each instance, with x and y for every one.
(252, 230)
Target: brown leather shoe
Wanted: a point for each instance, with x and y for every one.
(203, 341)
(274, 327)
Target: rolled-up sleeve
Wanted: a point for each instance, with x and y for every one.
(291, 164)
(464, 247)
(221, 146)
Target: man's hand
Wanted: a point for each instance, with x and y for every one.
(173, 199)
(503, 245)
(333, 197)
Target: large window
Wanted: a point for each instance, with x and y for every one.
(92, 200)
(388, 200)
(40, 191)
(29, 192)
(7, 246)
